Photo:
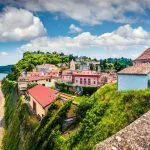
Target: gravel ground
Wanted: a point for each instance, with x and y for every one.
(1, 116)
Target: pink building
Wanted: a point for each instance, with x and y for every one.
(67, 76)
(54, 73)
(34, 73)
(86, 78)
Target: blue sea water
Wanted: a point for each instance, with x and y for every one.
(2, 75)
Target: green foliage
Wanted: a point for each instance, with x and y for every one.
(115, 63)
(67, 88)
(98, 117)
(18, 125)
(48, 130)
(111, 112)
(89, 90)
(31, 85)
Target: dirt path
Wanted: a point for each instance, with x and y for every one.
(1, 116)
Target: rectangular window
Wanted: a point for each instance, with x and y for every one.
(84, 80)
(89, 81)
(80, 80)
(34, 106)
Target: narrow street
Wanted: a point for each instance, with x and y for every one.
(1, 116)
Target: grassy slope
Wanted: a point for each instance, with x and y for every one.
(110, 112)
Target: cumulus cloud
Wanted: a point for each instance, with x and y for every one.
(74, 29)
(124, 38)
(19, 24)
(4, 53)
(88, 11)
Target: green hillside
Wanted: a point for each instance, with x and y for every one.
(98, 117)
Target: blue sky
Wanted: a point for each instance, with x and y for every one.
(95, 28)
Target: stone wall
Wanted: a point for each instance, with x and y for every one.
(136, 136)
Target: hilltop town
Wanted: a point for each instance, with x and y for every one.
(74, 75)
(72, 103)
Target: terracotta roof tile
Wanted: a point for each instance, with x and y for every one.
(137, 69)
(43, 95)
(144, 55)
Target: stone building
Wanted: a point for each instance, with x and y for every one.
(40, 98)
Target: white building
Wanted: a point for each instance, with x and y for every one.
(134, 77)
(41, 80)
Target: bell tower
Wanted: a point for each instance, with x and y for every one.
(72, 65)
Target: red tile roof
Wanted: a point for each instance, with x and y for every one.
(43, 95)
(143, 68)
(144, 55)
(33, 78)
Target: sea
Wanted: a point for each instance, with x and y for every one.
(2, 75)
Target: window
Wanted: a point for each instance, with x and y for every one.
(34, 106)
(80, 80)
(84, 80)
(94, 82)
(89, 81)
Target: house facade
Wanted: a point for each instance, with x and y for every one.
(134, 77)
(40, 98)
(47, 81)
(86, 78)
(46, 67)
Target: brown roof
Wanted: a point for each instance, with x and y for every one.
(137, 69)
(144, 55)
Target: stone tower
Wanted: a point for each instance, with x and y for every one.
(72, 65)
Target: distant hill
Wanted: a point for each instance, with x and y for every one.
(5, 69)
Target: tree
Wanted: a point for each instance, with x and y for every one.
(91, 66)
(118, 66)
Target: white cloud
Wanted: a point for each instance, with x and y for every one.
(74, 29)
(88, 11)
(124, 38)
(10, 57)
(4, 53)
(19, 24)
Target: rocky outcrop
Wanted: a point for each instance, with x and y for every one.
(136, 136)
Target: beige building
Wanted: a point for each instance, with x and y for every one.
(47, 81)
(40, 98)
